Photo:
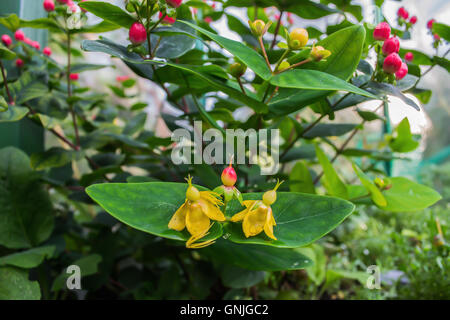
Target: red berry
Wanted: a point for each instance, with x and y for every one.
(413, 20)
(392, 63)
(208, 20)
(7, 41)
(137, 33)
(49, 5)
(167, 19)
(382, 31)
(74, 76)
(391, 45)
(402, 13)
(229, 176)
(19, 35)
(19, 63)
(47, 51)
(174, 3)
(36, 45)
(402, 72)
(436, 37)
(28, 41)
(409, 56)
(430, 23)
(122, 78)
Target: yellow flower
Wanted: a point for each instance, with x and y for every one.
(258, 215)
(195, 214)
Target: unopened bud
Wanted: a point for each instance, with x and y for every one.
(318, 53)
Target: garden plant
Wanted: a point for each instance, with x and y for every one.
(106, 195)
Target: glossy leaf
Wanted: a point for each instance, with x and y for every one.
(442, 30)
(108, 12)
(29, 258)
(300, 179)
(6, 54)
(13, 113)
(331, 180)
(375, 193)
(14, 285)
(386, 88)
(53, 157)
(403, 141)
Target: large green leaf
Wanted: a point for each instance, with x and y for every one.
(14, 285)
(255, 257)
(249, 56)
(108, 12)
(235, 277)
(25, 208)
(406, 195)
(346, 46)
(5, 53)
(300, 179)
(442, 30)
(403, 141)
(53, 157)
(29, 258)
(301, 219)
(331, 180)
(13, 113)
(146, 206)
(315, 80)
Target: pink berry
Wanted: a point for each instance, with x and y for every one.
(436, 37)
(28, 41)
(391, 45)
(174, 3)
(208, 20)
(382, 31)
(7, 41)
(137, 33)
(229, 176)
(74, 76)
(402, 13)
(36, 45)
(19, 63)
(402, 72)
(413, 20)
(122, 78)
(409, 56)
(167, 19)
(430, 23)
(19, 35)
(49, 5)
(392, 63)
(47, 51)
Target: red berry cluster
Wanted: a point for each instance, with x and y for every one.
(436, 37)
(403, 16)
(49, 5)
(392, 63)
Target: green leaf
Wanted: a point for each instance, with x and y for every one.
(28, 259)
(80, 67)
(255, 257)
(249, 56)
(135, 124)
(237, 278)
(6, 54)
(42, 23)
(329, 130)
(335, 275)
(389, 89)
(108, 12)
(13, 113)
(332, 182)
(14, 285)
(177, 44)
(28, 87)
(315, 80)
(53, 158)
(12, 22)
(146, 206)
(375, 193)
(25, 208)
(317, 271)
(301, 219)
(403, 141)
(406, 195)
(442, 30)
(300, 179)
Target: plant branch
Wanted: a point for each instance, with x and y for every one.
(277, 30)
(11, 100)
(240, 85)
(69, 90)
(261, 43)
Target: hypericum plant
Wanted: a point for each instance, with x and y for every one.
(284, 75)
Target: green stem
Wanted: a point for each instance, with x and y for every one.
(69, 89)
(285, 53)
(260, 40)
(11, 100)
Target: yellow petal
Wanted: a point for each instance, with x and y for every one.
(240, 215)
(197, 222)
(270, 222)
(211, 197)
(212, 211)
(178, 221)
(191, 245)
(254, 222)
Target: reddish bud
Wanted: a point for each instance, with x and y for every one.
(436, 37)
(382, 31)
(391, 45)
(392, 63)
(28, 41)
(167, 19)
(47, 51)
(413, 20)
(74, 76)
(402, 72)
(208, 20)
(19, 35)
(137, 33)
(49, 5)
(430, 23)
(19, 63)
(174, 3)
(7, 41)
(122, 78)
(229, 176)
(409, 56)
(402, 13)
(36, 45)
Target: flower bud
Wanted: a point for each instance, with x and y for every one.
(47, 51)
(413, 20)
(229, 176)
(382, 31)
(392, 63)
(409, 56)
(167, 19)
(237, 69)
(436, 37)
(391, 45)
(283, 66)
(298, 38)
(174, 3)
(19, 35)
(74, 76)
(7, 41)
(192, 193)
(402, 13)
(318, 53)
(137, 33)
(19, 63)
(269, 197)
(430, 23)
(402, 72)
(36, 45)
(258, 28)
(49, 5)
